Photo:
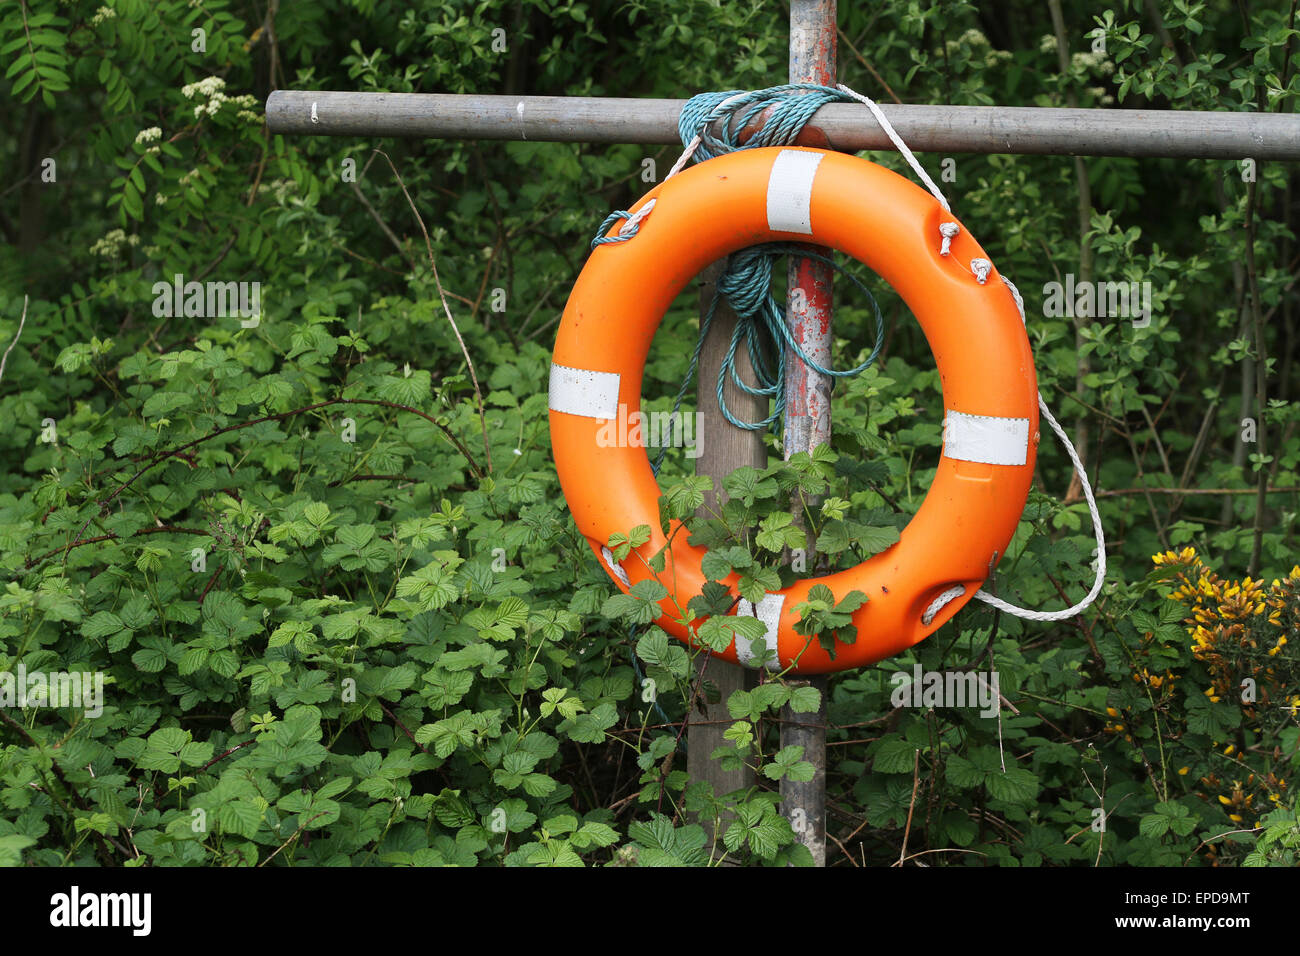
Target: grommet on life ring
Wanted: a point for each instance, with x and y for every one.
(990, 433)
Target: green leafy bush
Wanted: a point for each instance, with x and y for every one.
(322, 562)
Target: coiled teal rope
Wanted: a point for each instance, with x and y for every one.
(746, 283)
(602, 239)
(793, 105)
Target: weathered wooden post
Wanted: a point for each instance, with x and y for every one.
(808, 418)
(723, 447)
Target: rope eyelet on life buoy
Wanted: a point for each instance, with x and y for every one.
(986, 369)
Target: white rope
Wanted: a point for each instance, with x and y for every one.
(684, 158)
(948, 230)
(1015, 293)
(898, 142)
(1069, 612)
(938, 603)
(993, 600)
(633, 221)
(981, 268)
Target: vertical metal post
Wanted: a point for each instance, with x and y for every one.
(808, 416)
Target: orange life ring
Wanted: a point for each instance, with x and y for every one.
(973, 327)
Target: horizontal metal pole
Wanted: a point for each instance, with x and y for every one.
(847, 126)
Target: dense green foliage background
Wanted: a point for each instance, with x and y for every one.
(397, 650)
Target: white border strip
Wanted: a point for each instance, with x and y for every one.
(985, 438)
(789, 191)
(769, 612)
(580, 391)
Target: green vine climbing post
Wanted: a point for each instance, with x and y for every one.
(808, 419)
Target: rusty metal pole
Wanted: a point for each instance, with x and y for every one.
(926, 128)
(808, 418)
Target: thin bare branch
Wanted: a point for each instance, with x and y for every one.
(442, 295)
(22, 320)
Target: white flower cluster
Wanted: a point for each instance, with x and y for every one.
(110, 247)
(148, 135)
(280, 188)
(1093, 61)
(1047, 43)
(102, 14)
(208, 86)
(974, 40)
(214, 104)
(211, 89)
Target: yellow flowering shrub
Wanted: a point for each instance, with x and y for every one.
(1242, 636)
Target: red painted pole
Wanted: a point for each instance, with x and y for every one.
(808, 417)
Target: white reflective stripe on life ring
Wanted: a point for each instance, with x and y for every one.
(985, 438)
(580, 391)
(789, 191)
